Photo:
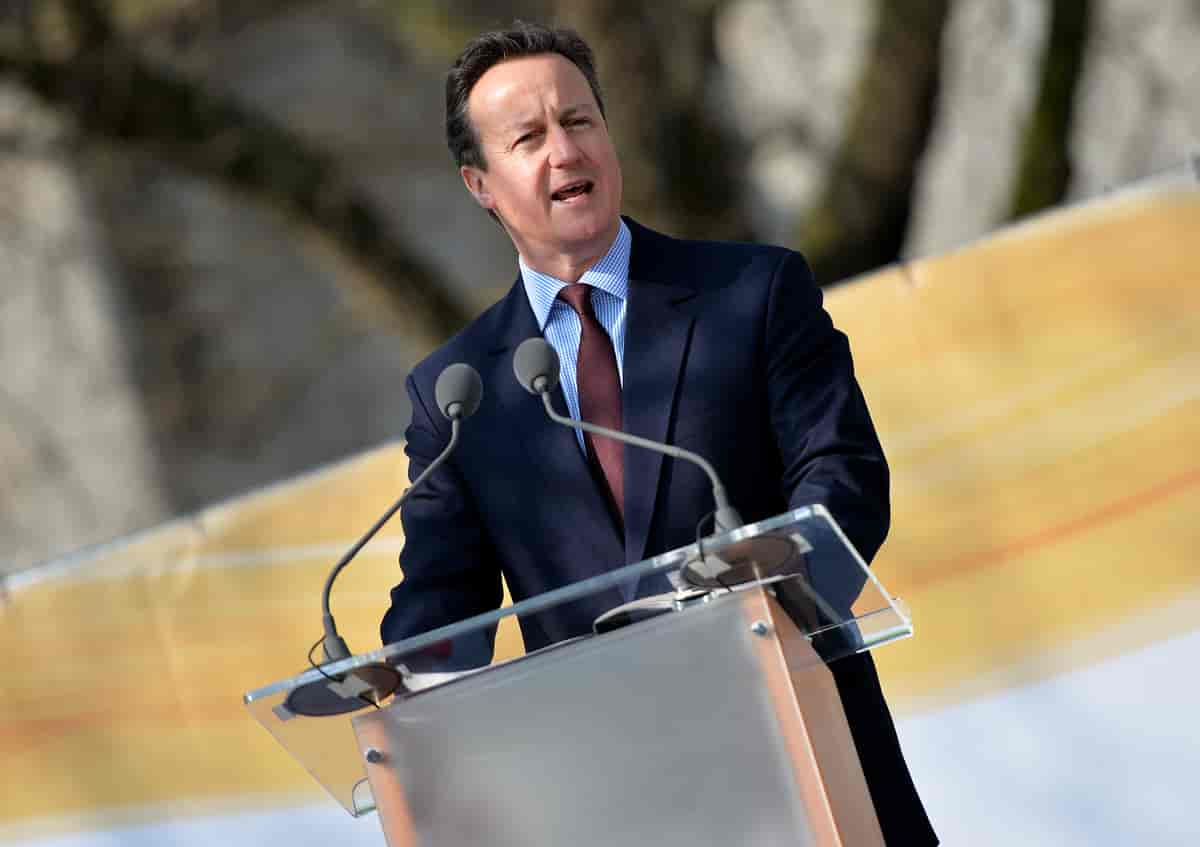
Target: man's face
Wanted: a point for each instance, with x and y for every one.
(552, 173)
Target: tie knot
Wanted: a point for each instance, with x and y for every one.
(577, 296)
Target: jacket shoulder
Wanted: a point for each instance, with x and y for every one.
(705, 263)
(472, 343)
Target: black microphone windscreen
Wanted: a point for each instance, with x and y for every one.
(535, 358)
(459, 384)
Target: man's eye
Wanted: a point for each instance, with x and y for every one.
(529, 136)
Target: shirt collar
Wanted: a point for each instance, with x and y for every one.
(610, 274)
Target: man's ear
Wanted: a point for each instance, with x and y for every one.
(476, 182)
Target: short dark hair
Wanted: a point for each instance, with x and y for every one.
(490, 49)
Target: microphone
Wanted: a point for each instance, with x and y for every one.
(536, 366)
(458, 392)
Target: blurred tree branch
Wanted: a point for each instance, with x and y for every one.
(115, 93)
(862, 217)
(1044, 166)
(91, 23)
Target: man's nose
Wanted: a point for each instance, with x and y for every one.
(564, 150)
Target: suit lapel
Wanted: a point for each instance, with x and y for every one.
(555, 466)
(658, 331)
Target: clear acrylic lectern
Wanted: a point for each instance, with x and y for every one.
(703, 714)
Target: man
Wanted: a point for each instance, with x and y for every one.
(721, 348)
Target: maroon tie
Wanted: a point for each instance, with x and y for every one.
(599, 390)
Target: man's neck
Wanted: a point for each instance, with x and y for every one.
(569, 267)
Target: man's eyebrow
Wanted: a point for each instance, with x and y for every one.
(519, 123)
(574, 109)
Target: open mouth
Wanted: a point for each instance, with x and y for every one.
(572, 190)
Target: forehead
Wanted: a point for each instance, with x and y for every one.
(523, 89)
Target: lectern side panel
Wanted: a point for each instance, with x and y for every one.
(795, 734)
(390, 801)
(814, 724)
(661, 733)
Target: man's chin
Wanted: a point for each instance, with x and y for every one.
(584, 229)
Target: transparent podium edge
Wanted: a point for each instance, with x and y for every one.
(663, 563)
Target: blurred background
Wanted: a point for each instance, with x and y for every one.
(229, 228)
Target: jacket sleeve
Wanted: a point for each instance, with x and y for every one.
(450, 570)
(830, 451)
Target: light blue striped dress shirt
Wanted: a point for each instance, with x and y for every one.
(609, 279)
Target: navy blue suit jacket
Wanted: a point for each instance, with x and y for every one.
(729, 353)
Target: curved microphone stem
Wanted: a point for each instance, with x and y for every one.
(726, 517)
(335, 646)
